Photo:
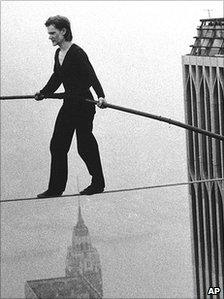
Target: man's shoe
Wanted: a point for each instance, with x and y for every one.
(49, 194)
(92, 189)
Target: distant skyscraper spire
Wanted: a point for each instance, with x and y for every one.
(80, 222)
(83, 270)
(82, 258)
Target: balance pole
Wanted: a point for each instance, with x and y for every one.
(161, 118)
(127, 110)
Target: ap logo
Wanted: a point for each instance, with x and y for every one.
(214, 291)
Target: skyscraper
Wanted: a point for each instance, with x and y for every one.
(83, 271)
(203, 75)
(82, 257)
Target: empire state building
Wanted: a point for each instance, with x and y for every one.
(82, 258)
(83, 277)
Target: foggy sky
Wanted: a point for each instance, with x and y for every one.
(135, 48)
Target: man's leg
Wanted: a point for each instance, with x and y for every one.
(89, 152)
(59, 147)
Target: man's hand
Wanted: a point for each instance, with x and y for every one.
(101, 103)
(39, 96)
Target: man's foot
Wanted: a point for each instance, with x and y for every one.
(49, 193)
(92, 189)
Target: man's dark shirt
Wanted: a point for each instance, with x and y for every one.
(77, 76)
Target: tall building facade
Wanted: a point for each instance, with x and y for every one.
(203, 77)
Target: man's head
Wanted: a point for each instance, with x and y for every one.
(59, 29)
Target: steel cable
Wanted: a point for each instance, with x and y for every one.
(119, 190)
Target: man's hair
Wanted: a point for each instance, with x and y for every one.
(60, 22)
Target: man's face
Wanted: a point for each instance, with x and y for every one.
(56, 35)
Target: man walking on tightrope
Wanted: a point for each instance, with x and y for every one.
(73, 69)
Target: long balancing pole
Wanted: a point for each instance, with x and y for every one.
(128, 110)
(24, 97)
(163, 119)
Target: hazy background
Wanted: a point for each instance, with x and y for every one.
(135, 48)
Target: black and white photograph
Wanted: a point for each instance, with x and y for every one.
(112, 149)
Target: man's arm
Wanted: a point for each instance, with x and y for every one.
(52, 85)
(89, 73)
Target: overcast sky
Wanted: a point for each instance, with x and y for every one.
(135, 48)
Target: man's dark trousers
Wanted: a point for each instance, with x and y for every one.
(66, 123)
